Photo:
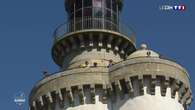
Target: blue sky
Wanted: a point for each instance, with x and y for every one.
(26, 28)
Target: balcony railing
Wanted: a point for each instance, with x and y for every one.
(89, 23)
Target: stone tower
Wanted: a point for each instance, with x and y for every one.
(101, 69)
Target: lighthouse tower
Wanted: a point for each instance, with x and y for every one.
(101, 69)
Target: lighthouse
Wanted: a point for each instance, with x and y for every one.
(101, 68)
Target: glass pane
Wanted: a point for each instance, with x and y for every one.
(78, 4)
(114, 5)
(108, 4)
(98, 12)
(87, 11)
(97, 3)
(108, 14)
(79, 13)
(114, 17)
(87, 3)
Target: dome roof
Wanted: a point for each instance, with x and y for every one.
(143, 52)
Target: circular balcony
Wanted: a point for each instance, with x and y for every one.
(96, 27)
(93, 24)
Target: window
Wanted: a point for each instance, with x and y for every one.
(79, 13)
(97, 3)
(78, 4)
(87, 3)
(95, 64)
(98, 12)
(108, 14)
(108, 4)
(87, 11)
(87, 7)
(114, 5)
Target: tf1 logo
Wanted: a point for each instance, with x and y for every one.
(173, 7)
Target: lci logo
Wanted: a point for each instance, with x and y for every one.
(172, 7)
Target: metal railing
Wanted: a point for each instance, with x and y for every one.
(88, 23)
(87, 18)
(93, 23)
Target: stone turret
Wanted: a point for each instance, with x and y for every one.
(145, 81)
